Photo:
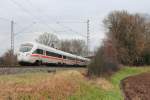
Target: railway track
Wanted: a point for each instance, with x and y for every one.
(5, 70)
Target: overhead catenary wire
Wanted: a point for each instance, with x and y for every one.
(71, 21)
(4, 19)
(24, 29)
(58, 22)
(20, 31)
(33, 16)
(70, 29)
(21, 7)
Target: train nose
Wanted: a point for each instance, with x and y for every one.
(21, 56)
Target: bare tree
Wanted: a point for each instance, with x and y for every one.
(9, 59)
(127, 33)
(79, 47)
(75, 46)
(48, 39)
(146, 52)
(65, 45)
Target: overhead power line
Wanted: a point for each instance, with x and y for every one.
(70, 21)
(21, 7)
(70, 29)
(33, 16)
(24, 29)
(4, 19)
(58, 22)
(20, 31)
(38, 9)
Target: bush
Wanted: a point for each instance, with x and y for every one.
(9, 59)
(105, 61)
(1, 60)
(147, 58)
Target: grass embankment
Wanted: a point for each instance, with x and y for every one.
(101, 91)
(65, 85)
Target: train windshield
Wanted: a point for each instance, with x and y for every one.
(25, 48)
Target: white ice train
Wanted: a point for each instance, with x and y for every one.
(34, 53)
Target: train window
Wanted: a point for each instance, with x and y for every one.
(53, 54)
(82, 61)
(59, 56)
(64, 57)
(38, 51)
(70, 58)
(25, 48)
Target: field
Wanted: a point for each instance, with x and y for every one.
(137, 87)
(64, 85)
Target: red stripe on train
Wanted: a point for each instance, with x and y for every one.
(43, 56)
(38, 55)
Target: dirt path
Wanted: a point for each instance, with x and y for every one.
(137, 87)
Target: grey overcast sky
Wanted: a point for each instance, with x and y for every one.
(33, 17)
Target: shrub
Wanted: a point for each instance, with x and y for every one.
(147, 57)
(9, 59)
(105, 61)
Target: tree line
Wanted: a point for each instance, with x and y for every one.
(74, 46)
(127, 42)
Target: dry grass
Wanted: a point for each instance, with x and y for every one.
(47, 86)
(62, 85)
(102, 83)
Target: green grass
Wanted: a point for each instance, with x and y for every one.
(90, 92)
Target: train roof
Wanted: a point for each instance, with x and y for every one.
(41, 46)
